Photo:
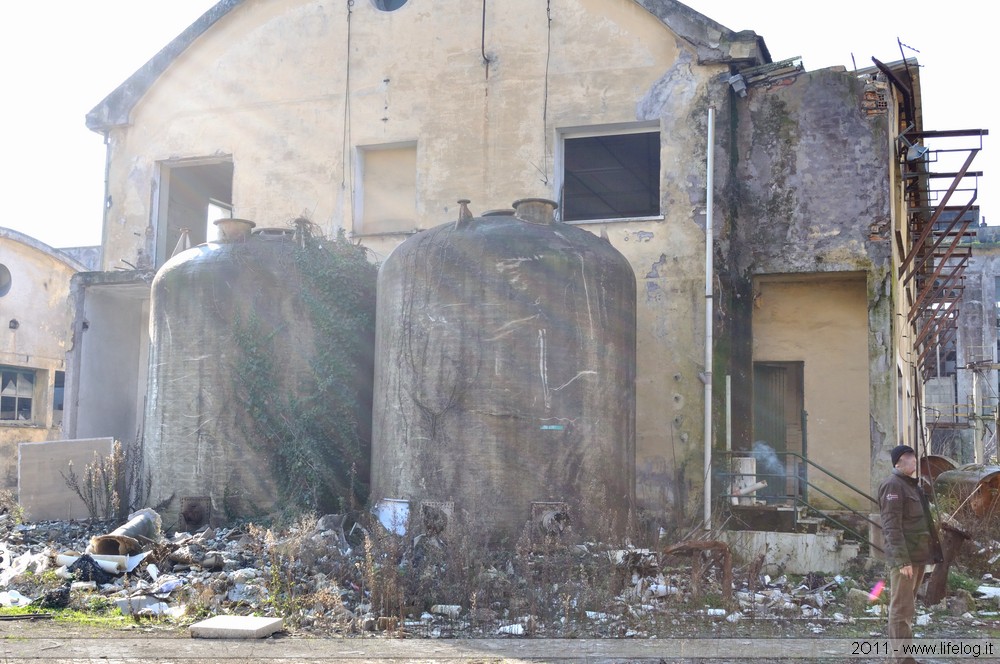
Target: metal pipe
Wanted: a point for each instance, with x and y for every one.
(143, 527)
(709, 289)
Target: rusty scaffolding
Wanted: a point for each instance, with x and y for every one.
(942, 219)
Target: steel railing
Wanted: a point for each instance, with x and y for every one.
(799, 498)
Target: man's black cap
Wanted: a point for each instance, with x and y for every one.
(899, 451)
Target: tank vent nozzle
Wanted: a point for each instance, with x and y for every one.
(535, 210)
(464, 214)
(233, 230)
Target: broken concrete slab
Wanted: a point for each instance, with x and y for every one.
(236, 627)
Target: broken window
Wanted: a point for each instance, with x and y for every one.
(387, 201)
(17, 388)
(611, 175)
(5, 280)
(58, 390)
(192, 196)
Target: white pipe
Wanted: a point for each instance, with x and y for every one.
(729, 413)
(750, 489)
(709, 289)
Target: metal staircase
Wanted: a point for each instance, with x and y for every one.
(791, 511)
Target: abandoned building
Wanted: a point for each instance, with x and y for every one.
(962, 385)
(34, 289)
(836, 270)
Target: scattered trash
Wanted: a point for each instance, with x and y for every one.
(11, 598)
(449, 610)
(514, 630)
(85, 568)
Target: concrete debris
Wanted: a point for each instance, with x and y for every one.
(315, 577)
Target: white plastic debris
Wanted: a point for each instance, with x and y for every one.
(715, 612)
(515, 630)
(735, 616)
(13, 598)
(662, 590)
(448, 610)
(924, 619)
(989, 591)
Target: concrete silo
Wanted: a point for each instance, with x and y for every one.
(232, 371)
(505, 375)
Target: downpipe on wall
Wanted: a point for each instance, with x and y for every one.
(709, 245)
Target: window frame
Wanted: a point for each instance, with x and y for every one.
(594, 131)
(358, 216)
(32, 408)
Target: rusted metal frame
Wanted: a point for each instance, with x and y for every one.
(936, 294)
(924, 295)
(944, 337)
(942, 322)
(907, 93)
(941, 237)
(927, 329)
(951, 133)
(970, 174)
(940, 319)
(929, 227)
(924, 359)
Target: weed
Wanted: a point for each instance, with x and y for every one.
(10, 506)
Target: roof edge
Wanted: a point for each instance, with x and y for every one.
(714, 42)
(114, 110)
(38, 245)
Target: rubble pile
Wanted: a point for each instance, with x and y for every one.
(319, 578)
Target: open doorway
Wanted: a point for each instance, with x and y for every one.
(779, 427)
(193, 194)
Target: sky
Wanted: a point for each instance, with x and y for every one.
(61, 58)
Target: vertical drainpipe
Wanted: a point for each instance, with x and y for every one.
(105, 202)
(709, 289)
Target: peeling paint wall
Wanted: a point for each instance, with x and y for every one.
(489, 131)
(811, 177)
(822, 321)
(35, 327)
(801, 169)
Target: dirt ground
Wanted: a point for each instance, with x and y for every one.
(702, 640)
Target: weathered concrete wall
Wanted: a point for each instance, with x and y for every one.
(108, 363)
(823, 322)
(295, 91)
(488, 131)
(978, 328)
(43, 493)
(35, 328)
(810, 178)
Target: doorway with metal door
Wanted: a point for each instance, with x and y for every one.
(779, 428)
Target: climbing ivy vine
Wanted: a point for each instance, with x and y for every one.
(318, 434)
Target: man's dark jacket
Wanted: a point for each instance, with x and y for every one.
(907, 526)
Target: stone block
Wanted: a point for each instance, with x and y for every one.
(236, 627)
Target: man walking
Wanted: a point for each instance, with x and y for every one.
(911, 540)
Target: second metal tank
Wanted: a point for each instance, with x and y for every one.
(505, 376)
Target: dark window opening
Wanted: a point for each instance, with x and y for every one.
(58, 391)
(16, 391)
(389, 5)
(5, 280)
(195, 197)
(611, 177)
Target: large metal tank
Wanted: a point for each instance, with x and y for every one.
(505, 377)
(203, 444)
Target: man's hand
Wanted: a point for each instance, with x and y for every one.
(907, 571)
